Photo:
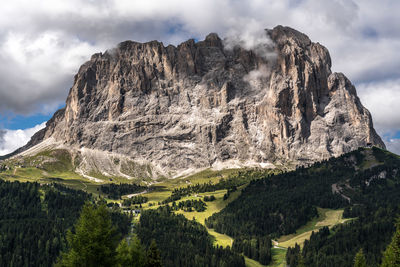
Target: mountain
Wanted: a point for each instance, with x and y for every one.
(145, 109)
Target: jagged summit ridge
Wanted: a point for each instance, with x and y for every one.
(202, 104)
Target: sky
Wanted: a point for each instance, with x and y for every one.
(43, 43)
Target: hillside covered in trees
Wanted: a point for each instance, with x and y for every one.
(375, 198)
(38, 223)
(183, 242)
(365, 182)
(34, 220)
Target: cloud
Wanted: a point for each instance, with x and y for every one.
(393, 145)
(37, 71)
(10, 140)
(42, 49)
(2, 133)
(382, 99)
(251, 37)
(257, 77)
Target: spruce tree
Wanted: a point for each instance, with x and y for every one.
(131, 255)
(94, 241)
(391, 256)
(153, 255)
(359, 259)
(301, 261)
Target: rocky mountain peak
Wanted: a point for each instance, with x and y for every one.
(210, 104)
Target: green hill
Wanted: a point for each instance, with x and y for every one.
(365, 183)
(330, 209)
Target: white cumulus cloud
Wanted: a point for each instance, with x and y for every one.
(382, 99)
(11, 140)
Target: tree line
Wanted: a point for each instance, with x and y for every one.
(34, 220)
(375, 206)
(256, 248)
(189, 205)
(230, 183)
(95, 241)
(135, 200)
(183, 242)
(278, 205)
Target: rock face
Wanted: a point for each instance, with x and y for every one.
(202, 105)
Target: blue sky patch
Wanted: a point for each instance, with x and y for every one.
(14, 122)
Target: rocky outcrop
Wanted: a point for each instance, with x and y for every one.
(203, 105)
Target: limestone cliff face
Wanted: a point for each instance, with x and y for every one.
(201, 105)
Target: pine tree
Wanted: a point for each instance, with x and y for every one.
(123, 257)
(391, 256)
(153, 255)
(132, 255)
(94, 242)
(359, 259)
(301, 261)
